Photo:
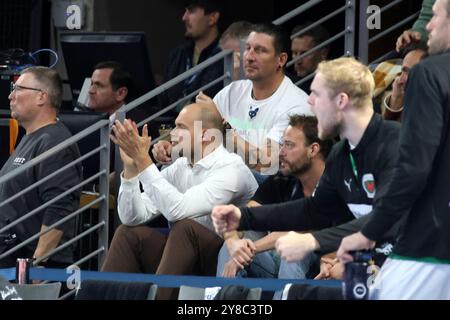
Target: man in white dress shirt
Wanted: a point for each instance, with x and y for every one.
(205, 175)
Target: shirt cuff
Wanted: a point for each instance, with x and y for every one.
(129, 183)
(151, 173)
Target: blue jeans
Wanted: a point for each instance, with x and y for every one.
(263, 265)
(294, 270)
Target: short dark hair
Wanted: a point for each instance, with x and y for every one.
(415, 45)
(319, 34)
(119, 76)
(281, 41)
(308, 125)
(208, 6)
(51, 81)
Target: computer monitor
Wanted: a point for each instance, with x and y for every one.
(83, 50)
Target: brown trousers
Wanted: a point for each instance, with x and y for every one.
(188, 249)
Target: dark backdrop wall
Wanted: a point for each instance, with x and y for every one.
(161, 20)
(26, 23)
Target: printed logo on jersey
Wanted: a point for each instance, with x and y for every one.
(368, 183)
(348, 184)
(19, 161)
(253, 112)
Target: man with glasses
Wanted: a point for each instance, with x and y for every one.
(34, 102)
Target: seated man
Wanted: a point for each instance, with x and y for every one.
(418, 32)
(302, 161)
(205, 175)
(303, 43)
(35, 100)
(110, 88)
(231, 40)
(392, 102)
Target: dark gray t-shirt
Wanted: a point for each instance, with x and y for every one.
(30, 147)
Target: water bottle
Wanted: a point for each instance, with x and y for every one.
(356, 275)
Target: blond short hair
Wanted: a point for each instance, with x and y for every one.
(351, 77)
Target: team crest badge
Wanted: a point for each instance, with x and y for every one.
(368, 183)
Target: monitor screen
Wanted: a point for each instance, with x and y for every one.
(83, 50)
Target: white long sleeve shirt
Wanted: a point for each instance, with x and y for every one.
(183, 191)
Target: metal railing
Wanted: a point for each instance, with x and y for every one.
(101, 201)
(226, 56)
(348, 33)
(364, 41)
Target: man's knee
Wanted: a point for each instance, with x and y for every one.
(130, 234)
(122, 233)
(185, 224)
(185, 227)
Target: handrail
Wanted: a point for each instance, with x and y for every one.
(47, 154)
(76, 238)
(102, 174)
(390, 5)
(169, 84)
(227, 56)
(395, 26)
(349, 32)
(315, 24)
(188, 97)
(305, 79)
(46, 204)
(53, 174)
(318, 47)
(41, 233)
(365, 40)
(300, 9)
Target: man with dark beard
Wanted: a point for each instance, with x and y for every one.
(302, 161)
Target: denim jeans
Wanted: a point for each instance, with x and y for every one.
(263, 265)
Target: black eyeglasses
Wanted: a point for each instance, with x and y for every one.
(16, 87)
